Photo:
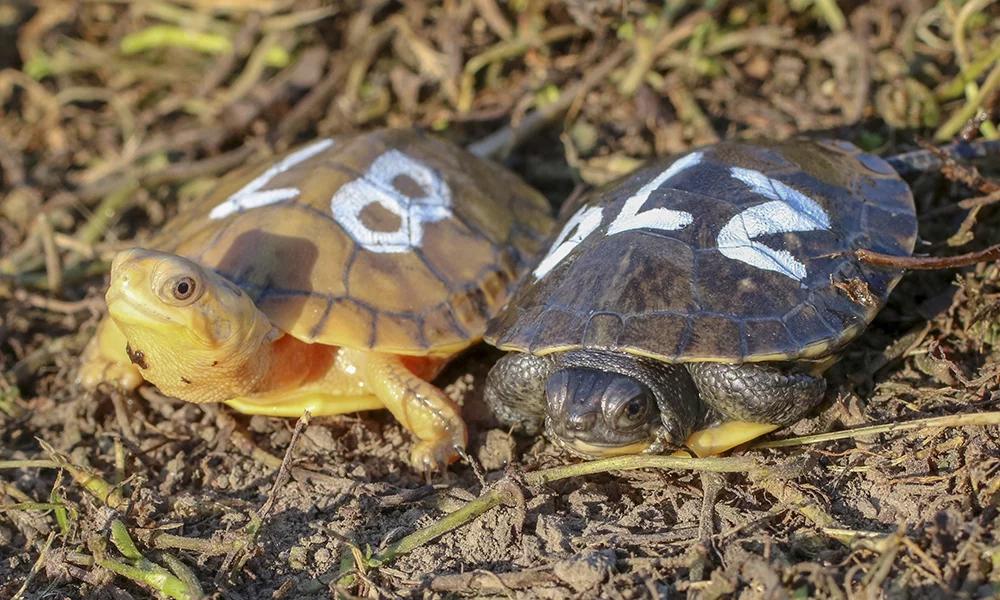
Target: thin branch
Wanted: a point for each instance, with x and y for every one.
(929, 263)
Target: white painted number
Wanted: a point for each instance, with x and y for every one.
(251, 196)
(664, 219)
(581, 224)
(788, 211)
(377, 186)
(587, 219)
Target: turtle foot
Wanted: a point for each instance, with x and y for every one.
(93, 374)
(98, 367)
(430, 456)
(726, 436)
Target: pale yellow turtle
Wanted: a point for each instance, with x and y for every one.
(341, 277)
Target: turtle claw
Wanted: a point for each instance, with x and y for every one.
(101, 364)
(432, 456)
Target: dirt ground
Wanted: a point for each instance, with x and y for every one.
(113, 114)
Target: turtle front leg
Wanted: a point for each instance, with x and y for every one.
(106, 360)
(419, 405)
(515, 390)
(753, 400)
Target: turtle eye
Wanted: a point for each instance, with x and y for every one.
(633, 409)
(634, 412)
(183, 289)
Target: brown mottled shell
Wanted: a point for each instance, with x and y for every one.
(673, 295)
(315, 280)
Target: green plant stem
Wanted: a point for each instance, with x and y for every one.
(90, 481)
(732, 464)
(169, 541)
(499, 143)
(109, 208)
(505, 50)
(452, 521)
(832, 15)
(73, 274)
(955, 87)
(503, 492)
(959, 117)
(158, 579)
(35, 568)
(181, 584)
(30, 506)
(986, 418)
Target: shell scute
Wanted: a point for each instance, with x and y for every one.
(710, 337)
(671, 329)
(603, 330)
(771, 336)
(394, 331)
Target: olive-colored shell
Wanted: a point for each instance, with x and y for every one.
(392, 240)
(736, 252)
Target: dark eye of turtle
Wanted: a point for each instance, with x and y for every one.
(183, 288)
(633, 409)
(634, 412)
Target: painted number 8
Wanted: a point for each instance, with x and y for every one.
(378, 185)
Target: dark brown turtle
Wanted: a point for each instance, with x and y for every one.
(339, 277)
(705, 290)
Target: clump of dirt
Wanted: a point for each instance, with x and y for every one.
(113, 115)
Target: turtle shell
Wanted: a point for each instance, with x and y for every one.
(736, 252)
(392, 240)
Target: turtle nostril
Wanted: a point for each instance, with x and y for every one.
(581, 422)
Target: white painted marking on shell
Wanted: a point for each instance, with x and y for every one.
(250, 196)
(376, 187)
(580, 225)
(664, 219)
(788, 211)
(587, 219)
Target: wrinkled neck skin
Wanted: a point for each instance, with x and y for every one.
(241, 366)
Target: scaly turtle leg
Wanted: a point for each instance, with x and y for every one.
(515, 390)
(105, 360)
(420, 406)
(753, 400)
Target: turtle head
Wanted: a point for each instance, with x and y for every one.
(191, 332)
(597, 413)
